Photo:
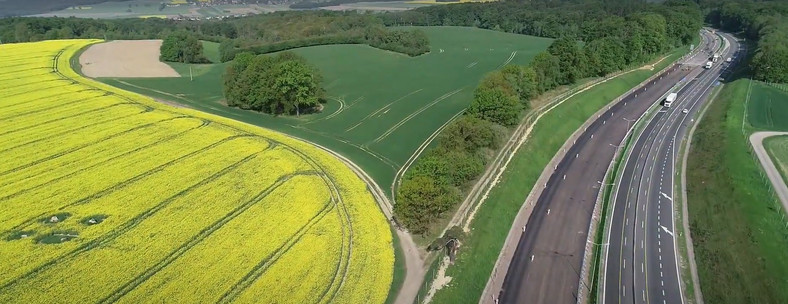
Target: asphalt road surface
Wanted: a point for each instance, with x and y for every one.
(641, 262)
(546, 265)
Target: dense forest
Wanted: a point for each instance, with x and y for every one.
(591, 41)
(765, 22)
(258, 34)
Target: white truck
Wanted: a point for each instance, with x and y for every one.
(670, 99)
(715, 58)
(708, 65)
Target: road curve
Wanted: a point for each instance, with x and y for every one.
(756, 139)
(641, 261)
(547, 263)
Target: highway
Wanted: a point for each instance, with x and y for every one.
(641, 264)
(547, 263)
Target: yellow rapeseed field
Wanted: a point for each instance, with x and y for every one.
(108, 196)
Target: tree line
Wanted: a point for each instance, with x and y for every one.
(258, 34)
(280, 84)
(604, 41)
(767, 23)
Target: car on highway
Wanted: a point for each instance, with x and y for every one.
(685, 111)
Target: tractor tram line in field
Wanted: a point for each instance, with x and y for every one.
(247, 160)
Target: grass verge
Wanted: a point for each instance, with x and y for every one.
(399, 269)
(492, 222)
(738, 228)
(777, 147)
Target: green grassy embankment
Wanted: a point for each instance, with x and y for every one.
(738, 226)
(494, 219)
(777, 147)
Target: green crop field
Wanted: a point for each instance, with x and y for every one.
(768, 107)
(382, 105)
(778, 150)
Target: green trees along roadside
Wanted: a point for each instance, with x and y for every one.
(281, 84)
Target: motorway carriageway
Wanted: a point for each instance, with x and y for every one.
(547, 263)
(640, 264)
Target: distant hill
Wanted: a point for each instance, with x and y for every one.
(30, 7)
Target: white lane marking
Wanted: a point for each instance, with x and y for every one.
(627, 223)
(660, 265)
(666, 230)
(662, 282)
(666, 196)
(642, 267)
(644, 294)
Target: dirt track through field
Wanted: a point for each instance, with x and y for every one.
(125, 58)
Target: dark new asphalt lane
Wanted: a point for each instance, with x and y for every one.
(641, 264)
(547, 262)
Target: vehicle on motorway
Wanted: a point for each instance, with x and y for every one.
(715, 58)
(670, 99)
(708, 65)
(729, 59)
(685, 111)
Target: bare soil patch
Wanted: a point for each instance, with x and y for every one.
(125, 58)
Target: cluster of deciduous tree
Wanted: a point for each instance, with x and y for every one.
(281, 84)
(259, 34)
(182, 46)
(602, 45)
(766, 22)
(433, 185)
